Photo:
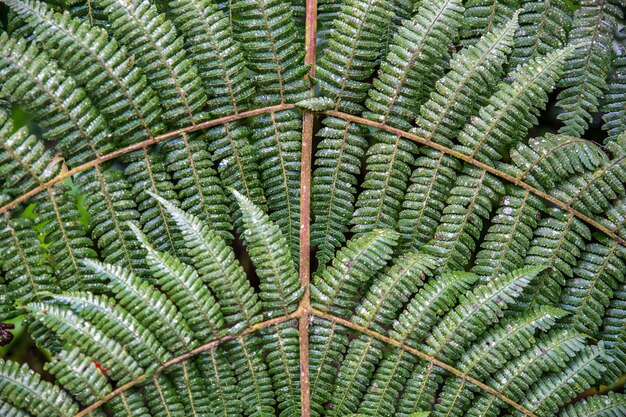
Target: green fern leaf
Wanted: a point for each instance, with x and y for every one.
(215, 263)
(22, 388)
(108, 201)
(116, 87)
(217, 56)
(94, 342)
(280, 287)
(586, 69)
(544, 26)
(350, 57)
(26, 273)
(25, 162)
(599, 271)
(118, 324)
(613, 405)
(159, 52)
(335, 288)
(58, 105)
(153, 308)
(441, 118)
(186, 290)
(614, 106)
(79, 376)
(337, 165)
(406, 74)
(481, 16)
(198, 187)
(497, 124)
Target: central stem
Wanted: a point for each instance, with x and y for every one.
(305, 213)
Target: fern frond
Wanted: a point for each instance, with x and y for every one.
(27, 274)
(327, 345)
(586, 69)
(79, 375)
(254, 381)
(73, 330)
(159, 51)
(614, 105)
(280, 288)
(557, 243)
(281, 346)
(468, 206)
(198, 187)
(387, 383)
(337, 165)
(146, 171)
(389, 164)
(420, 389)
(430, 184)
(59, 106)
(223, 395)
(335, 288)
(153, 308)
(613, 333)
(598, 272)
(216, 54)
(109, 202)
(481, 16)
(441, 118)
(476, 311)
(544, 26)
(186, 290)
(407, 73)
(550, 159)
(66, 240)
(278, 143)
(216, 264)
(162, 398)
(391, 290)
(25, 162)
(354, 375)
(509, 236)
(191, 387)
(272, 52)
(230, 145)
(512, 110)
(509, 339)
(128, 404)
(593, 193)
(350, 57)
(434, 299)
(23, 388)
(611, 405)
(455, 96)
(117, 323)
(547, 395)
(486, 356)
(116, 87)
(552, 353)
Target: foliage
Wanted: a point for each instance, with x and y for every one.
(194, 222)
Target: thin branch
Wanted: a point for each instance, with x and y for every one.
(140, 145)
(186, 356)
(494, 171)
(308, 120)
(424, 356)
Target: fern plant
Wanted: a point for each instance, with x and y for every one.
(301, 208)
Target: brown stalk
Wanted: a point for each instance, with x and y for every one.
(308, 120)
(424, 356)
(487, 168)
(185, 356)
(140, 145)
